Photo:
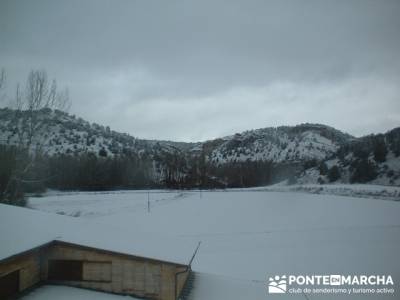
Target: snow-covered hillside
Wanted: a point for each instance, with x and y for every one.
(61, 133)
(307, 152)
(282, 144)
(374, 159)
(57, 133)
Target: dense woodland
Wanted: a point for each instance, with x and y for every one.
(96, 172)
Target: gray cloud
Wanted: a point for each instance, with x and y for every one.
(188, 70)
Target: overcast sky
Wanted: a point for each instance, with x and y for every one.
(195, 70)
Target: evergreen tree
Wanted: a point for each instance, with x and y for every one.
(380, 151)
(323, 168)
(333, 174)
(364, 171)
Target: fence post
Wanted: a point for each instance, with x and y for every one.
(148, 201)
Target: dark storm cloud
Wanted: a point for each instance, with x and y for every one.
(207, 68)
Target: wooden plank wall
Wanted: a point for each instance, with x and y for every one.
(102, 271)
(29, 266)
(119, 274)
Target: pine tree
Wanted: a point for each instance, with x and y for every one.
(333, 174)
(380, 151)
(323, 168)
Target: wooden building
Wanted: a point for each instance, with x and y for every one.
(74, 264)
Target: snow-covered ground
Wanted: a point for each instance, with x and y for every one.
(69, 293)
(352, 190)
(248, 236)
(97, 204)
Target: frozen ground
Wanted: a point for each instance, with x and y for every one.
(250, 235)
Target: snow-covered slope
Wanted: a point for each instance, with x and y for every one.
(177, 164)
(373, 159)
(60, 133)
(281, 144)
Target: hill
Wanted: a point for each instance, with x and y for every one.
(373, 159)
(281, 144)
(77, 154)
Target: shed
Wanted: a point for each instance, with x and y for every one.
(40, 248)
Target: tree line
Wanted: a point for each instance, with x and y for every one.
(90, 171)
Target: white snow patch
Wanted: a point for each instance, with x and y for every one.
(49, 292)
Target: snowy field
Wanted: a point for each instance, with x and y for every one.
(248, 236)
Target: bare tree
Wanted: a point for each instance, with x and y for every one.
(39, 93)
(32, 105)
(2, 78)
(2, 83)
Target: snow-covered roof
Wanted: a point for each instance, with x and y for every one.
(23, 229)
(49, 292)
